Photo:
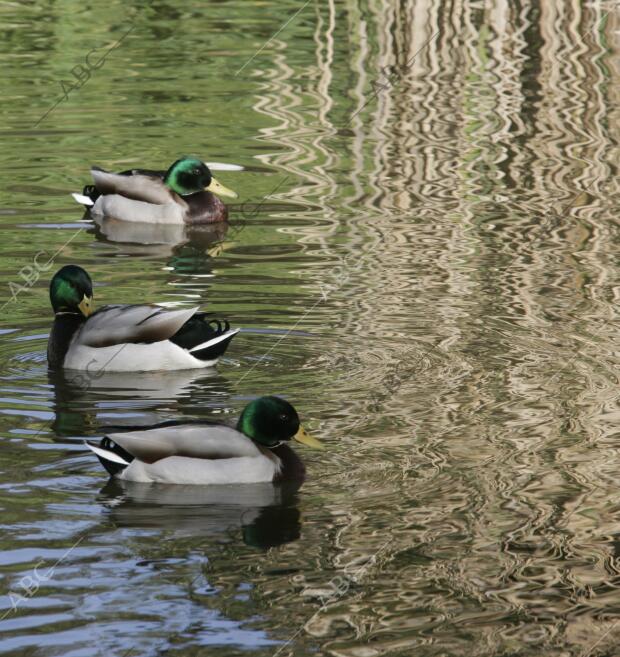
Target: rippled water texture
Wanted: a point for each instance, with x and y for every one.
(423, 258)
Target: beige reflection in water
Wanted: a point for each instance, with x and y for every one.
(479, 194)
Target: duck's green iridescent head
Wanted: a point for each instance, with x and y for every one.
(190, 175)
(71, 291)
(271, 421)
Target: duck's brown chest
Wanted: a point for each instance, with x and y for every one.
(205, 208)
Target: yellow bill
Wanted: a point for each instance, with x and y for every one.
(306, 439)
(217, 188)
(86, 306)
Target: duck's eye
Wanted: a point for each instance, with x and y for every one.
(196, 172)
(283, 417)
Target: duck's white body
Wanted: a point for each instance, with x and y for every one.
(127, 357)
(126, 209)
(137, 339)
(188, 454)
(183, 470)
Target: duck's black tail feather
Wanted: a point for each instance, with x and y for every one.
(206, 339)
(112, 456)
(92, 192)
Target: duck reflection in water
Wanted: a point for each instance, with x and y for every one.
(137, 397)
(174, 241)
(263, 515)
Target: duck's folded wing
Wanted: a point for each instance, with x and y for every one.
(112, 325)
(209, 442)
(141, 186)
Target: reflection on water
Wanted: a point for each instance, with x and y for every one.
(262, 515)
(433, 203)
(80, 402)
(158, 239)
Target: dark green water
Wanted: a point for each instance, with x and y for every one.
(424, 260)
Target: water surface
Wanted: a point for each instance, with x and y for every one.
(423, 259)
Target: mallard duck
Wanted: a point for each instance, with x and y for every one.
(201, 453)
(184, 194)
(127, 338)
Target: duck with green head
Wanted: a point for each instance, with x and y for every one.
(256, 450)
(127, 338)
(187, 193)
